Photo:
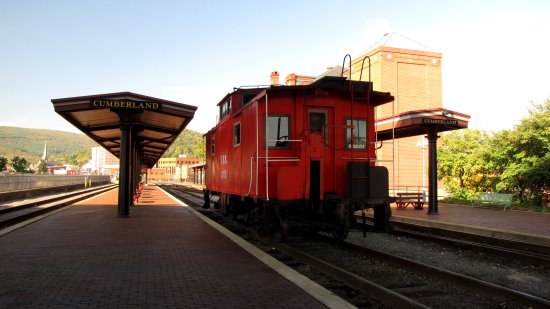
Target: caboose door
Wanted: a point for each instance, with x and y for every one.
(321, 145)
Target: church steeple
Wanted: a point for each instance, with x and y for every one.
(45, 155)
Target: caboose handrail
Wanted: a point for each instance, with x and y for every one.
(286, 140)
(266, 151)
(284, 160)
(359, 158)
(344, 66)
(280, 159)
(257, 149)
(250, 185)
(363, 67)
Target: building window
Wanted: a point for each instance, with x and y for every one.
(359, 134)
(278, 131)
(225, 108)
(212, 146)
(237, 134)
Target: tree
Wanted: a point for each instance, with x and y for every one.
(75, 158)
(526, 172)
(3, 164)
(461, 161)
(200, 149)
(185, 143)
(510, 161)
(41, 167)
(19, 165)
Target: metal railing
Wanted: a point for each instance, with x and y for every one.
(26, 182)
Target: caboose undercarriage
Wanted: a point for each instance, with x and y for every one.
(335, 214)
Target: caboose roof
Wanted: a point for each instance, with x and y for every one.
(360, 89)
(335, 83)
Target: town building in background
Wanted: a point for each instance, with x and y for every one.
(103, 162)
(65, 169)
(168, 165)
(167, 169)
(157, 174)
(175, 169)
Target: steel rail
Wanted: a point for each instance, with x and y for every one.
(466, 282)
(536, 253)
(383, 294)
(59, 203)
(45, 200)
(507, 249)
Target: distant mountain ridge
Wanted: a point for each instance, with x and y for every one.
(29, 143)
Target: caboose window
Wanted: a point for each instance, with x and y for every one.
(247, 97)
(317, 122)
(278, 128)
(225, 108)
(359, 134)
(237, 134)
(212, 146)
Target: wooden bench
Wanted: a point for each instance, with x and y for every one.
(404, 199)
(137, 193)
(494, 198)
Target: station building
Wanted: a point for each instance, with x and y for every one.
(412, 73)
(104, 162)
(174, 169)
(180, 169)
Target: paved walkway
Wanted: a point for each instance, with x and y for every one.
(162, 256)
(535, 224)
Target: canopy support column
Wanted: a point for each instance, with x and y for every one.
(432, 171)
(124, 187)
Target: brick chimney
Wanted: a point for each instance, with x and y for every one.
(275, 78)
(291, 79)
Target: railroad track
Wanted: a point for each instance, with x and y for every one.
(392, 280)
(17, 212)
(443, 276)
(509, 248)
(526, 251)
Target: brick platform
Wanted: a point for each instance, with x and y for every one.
(162, 256)
(522, 225)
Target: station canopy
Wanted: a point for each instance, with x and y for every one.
(419, 122)
(155, 123)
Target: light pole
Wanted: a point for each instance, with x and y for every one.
(422, 143)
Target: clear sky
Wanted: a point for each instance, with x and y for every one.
(496, 54)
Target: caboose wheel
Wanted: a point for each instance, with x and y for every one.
(341, 230)
(225, 206)
(274, 222)
(341, 223)
(382, 216)
(269, 222)
(283, 221)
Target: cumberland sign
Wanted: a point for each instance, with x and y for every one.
(446, 122)
(124, 104)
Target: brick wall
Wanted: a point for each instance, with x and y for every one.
(414, 79)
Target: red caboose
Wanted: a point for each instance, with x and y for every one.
(304, 151)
